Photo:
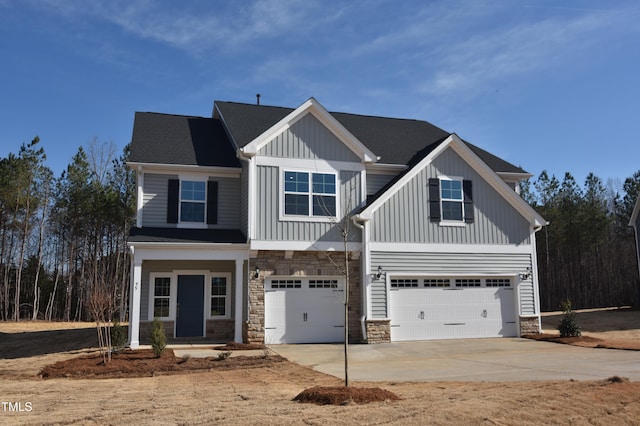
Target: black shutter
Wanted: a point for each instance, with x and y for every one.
(467, 189)
(212, 202)
(173, 200)
(434, 200)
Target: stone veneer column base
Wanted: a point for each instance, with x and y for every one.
(378, 331)
(529, 325)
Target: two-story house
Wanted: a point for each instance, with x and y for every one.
(240, 221)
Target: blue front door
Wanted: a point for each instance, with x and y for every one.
(190, 312)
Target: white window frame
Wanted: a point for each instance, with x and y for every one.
(208, 295)
(172, 294)
(451, 222)
(190, 224)
(310, 217)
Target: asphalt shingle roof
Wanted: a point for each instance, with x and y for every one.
(185, 235)
(394, 140)
(179, 139)
(187, 140)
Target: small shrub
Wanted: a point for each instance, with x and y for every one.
(118, 337)
(223, 355)
(158, 338)
(568, 326)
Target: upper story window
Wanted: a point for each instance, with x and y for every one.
(310, 194)
(451, 199)
(192, 201)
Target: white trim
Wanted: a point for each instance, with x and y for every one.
(227, 298)
(162, 168)
(477, 164)
(450, 248)
(283, 217)
(251, 201)
(457, 223)
(189, 252)
(514, 177)
(304, 245)
(385, 169)
(451, 222)
(193, 178)
(313, 107)
(139, 195)
(238, 311)
(367, 213)
(309, 164)
(534, 276)
(134, 300)
(172, 295)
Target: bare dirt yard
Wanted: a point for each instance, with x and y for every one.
(263, 394)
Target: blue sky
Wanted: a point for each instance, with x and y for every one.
(549, 85)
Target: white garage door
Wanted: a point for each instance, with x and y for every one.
(452, 308)
(303, 310)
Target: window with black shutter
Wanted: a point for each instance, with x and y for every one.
(451, 200)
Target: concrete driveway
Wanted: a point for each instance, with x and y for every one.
(500, 359)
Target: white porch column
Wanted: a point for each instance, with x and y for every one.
(238, 307)
(134, 304)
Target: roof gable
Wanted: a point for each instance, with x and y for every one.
(469, 156)
(252, 146)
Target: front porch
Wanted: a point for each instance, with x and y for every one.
(196, 292)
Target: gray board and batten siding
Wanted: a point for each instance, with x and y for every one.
(270, 227)
(405, 216)
(155, 199)
(449, 265)
(308, 138)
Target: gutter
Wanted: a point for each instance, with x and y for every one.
(363, 275)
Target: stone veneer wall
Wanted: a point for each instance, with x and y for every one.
(301, 264)
(529, 325)
(379, 331)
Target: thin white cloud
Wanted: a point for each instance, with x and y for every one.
(470, 65)
(191, 29)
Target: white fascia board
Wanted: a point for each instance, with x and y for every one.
(304, 245)
(385, 169)
(313, 107)
(498, 184)
(177, 251)
(451, 248)
(367, 214)
(514, 177)
(177, 168)
(309, 164)
(636, 212)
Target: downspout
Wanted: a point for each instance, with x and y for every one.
(363, 274)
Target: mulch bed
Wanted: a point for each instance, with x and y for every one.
(586, 341)
(343, 395)
(235, 346)
(143, 363)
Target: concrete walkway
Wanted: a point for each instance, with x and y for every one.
(502, 359)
